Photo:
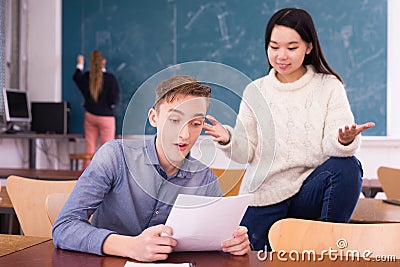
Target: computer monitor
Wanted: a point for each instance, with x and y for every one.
(57, 123)
(16, 105)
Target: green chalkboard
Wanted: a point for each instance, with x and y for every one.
(140, 38)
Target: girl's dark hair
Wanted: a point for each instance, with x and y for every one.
(300, 21)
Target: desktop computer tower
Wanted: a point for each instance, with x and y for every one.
(50, 117)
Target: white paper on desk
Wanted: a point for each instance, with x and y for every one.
(137, 264)
(202, 223)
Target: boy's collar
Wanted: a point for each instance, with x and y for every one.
(152, 158)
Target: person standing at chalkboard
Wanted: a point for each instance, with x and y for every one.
(100, 91)
(311, 142)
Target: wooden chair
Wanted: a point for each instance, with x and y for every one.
(74, 159)
(53, 204)
(302, 235)
(28, 199)
(229, 180)
(390, 181)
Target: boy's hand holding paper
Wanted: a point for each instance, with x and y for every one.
(202, 223)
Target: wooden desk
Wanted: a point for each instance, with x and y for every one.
(41, 174)
(370, 187)
(44, 254)
(13, 243)
(32, 141)
(369, 210)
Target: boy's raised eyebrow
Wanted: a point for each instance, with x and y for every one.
(199, 115)
(176, 110)
(181, 113)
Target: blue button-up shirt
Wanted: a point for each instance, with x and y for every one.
(127, 191)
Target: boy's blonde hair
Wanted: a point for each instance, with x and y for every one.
(184, 85)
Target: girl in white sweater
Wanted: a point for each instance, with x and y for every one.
(296, 132)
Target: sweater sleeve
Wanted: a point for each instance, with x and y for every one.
(82, 82)
(253, 137)
(246, 135)
(78, 75)
(339, 114)
(114, 92)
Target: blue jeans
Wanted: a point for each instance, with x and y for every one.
(330, 193)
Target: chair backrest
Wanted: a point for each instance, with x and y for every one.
(305, 235)
(229, 180)
(53, 204)
(390, 181)
(28, 199)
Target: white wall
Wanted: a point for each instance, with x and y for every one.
(40, 76)
(42, 59)
(393, 93)
(41, 49)
(377, 151)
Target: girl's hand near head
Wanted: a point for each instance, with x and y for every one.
(216, 130)
(239, 244)
(347, 134)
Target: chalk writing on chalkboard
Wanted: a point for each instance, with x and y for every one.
(141, 38)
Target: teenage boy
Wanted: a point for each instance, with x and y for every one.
(130, 186)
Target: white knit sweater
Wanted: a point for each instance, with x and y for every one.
(285, 130)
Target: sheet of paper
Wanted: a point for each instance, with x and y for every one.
(137, 264)
(202, 223)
